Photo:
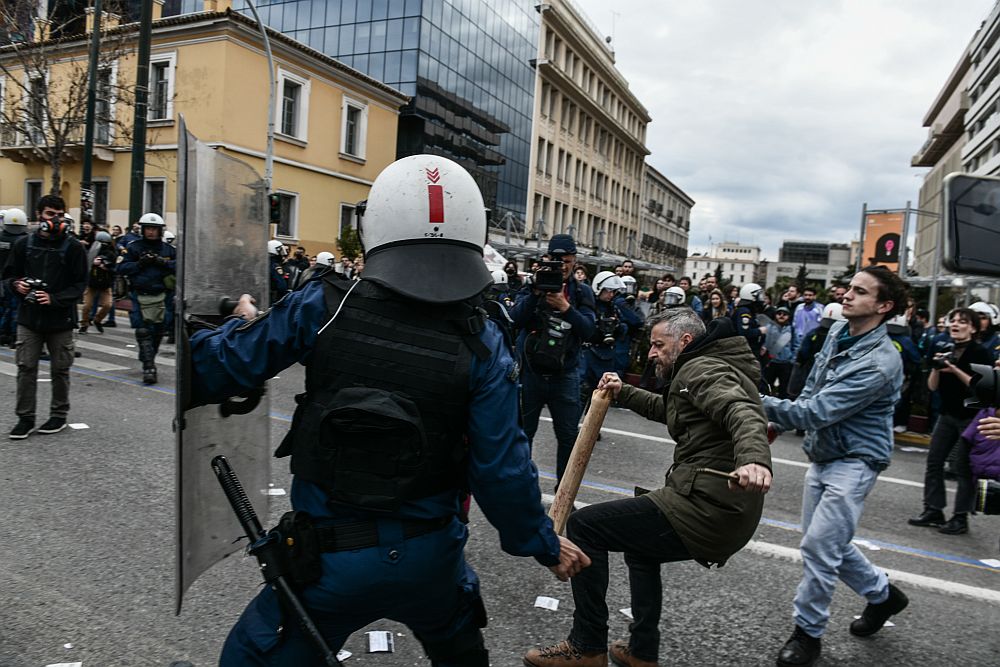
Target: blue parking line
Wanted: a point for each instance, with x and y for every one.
(785, 525)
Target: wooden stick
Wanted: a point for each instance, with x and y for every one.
(569, 485)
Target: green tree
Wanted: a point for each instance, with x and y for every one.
(802, 277)
(349, 244)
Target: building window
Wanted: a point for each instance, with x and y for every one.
(161, 86)
(294, 105)
(32, 193)
(103, 107)
(35, 105)
(288, 207)
(347, 219)
(154, 196)
(353, 128)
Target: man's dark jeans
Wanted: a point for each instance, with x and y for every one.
(637, 528)
(562, 394)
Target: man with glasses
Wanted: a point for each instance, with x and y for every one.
(47, 270)
(552, 326)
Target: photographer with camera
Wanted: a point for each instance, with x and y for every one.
(149, 264)
(101, 257)
(950, 375)
(48, 271)
(614, 318)
(554, 315)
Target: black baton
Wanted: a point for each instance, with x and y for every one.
(255, 533)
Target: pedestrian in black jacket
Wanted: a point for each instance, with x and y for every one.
(48, 271)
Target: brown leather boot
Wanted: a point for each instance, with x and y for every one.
(622, 656)
(564, 654)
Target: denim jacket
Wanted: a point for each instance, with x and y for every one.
(848, 401)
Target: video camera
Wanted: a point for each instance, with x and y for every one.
(548, 277)
(984, 389)
(944, 354)
(35, 285)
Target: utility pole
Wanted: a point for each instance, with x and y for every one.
(86, 184)
(269, 152)
(139, 118)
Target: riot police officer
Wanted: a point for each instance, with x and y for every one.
(15, 226)
(150, 265)
(277, 275)
(410, 397)
(613, 320)
(744, 317)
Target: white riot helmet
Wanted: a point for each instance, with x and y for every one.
(275, 247)
(324, 259)
(752, 292)
(674, 296)
(607, 280)
(631, 286)
(987, 309)
(833, 312)
(169, 236)
(897, 324)
(151, 220)
(102, 237)
(423, 229)
(15, 221)
(499, 277)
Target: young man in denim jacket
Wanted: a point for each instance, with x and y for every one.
(846, 407)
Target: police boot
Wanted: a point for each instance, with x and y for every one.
(147, 355)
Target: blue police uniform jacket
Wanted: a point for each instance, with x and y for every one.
(580, 315)
(148, 279)
(239, 356)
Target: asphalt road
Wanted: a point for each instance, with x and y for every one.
(86, 566)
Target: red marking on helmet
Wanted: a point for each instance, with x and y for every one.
(433, 175)
(435, 199)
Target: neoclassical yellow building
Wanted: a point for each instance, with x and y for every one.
(335, 127)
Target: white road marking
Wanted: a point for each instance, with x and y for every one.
(96, 365)
(787, 462)
(11, 370)
(915, 580)
(118, 352)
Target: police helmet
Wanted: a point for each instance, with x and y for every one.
(674, 296)
(324, 259)
(989, 310)
(151, 220)
(15, 221)
(499, 277)
(751, 292)
(423, 230)
(897, 324)
(631, 286)
(102, 237)
(275, 247)
(169, 236)
(834, 312)
(607, 280)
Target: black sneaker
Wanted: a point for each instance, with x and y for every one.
(875, 615)
(23, 429)
(928, 517)
(53, 425)
(957, 525)
(99, 327)
(82, 329)
(800, 650)
(149, 375)
(110, 324)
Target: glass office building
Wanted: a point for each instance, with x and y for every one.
(465, 63)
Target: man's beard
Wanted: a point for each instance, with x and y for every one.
(663, 371)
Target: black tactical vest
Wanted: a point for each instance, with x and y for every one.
(7, 240)
(384, 414)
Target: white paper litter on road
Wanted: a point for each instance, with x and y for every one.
(913, 449)
(867, 545)
(65, 664)
(992, 562)
(273, 492)
(888, 624)
(67, 646)
(546, 602)
(380, 641)
(343, 655)
(78, 426)
(129, 345)
(627, 612)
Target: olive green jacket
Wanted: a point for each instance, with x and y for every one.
(713, 410)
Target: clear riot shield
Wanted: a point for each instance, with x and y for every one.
(222, 252)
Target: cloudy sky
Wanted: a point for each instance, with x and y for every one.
(781, 117)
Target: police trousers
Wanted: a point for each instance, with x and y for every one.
(422, 582)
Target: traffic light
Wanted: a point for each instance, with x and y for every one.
(274, 202)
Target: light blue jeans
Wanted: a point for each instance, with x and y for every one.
(832, 502)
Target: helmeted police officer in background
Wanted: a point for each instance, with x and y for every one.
(614, 317)
(552, 326)
(411, 397)
(15, 226)
(150, 266)
(48, 271)
(276, 273)
(751, 302)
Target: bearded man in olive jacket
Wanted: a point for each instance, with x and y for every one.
(713, 410)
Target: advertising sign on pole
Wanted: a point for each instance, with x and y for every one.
(882, 240)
